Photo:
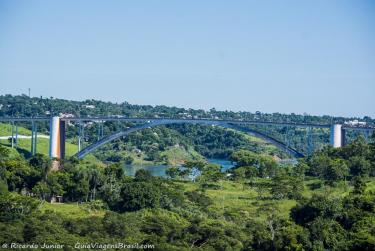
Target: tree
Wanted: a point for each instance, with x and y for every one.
(327, 233)
(128, 159)
(208, 234)
(142, 175)
(318, 206)
(245, 158)
(211, 172)
(41, 162)
(56, 189)
(3, 187)
(138, 195)
(300, 169)
(195, 164)
(245, 172)
(4, 153)
(359, 166)
(199, 198)
(267, 167)
(42, 190)
(359, 185)
(362, 234)
(15, 207)
(96, 178)
(358, 147)
(336, 170)
(163, 226)
(317, 163)
(81, 187)
(172, 172)
(17, 173)
(110, 190)
(284, 186)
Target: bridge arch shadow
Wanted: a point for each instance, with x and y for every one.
(292, 152)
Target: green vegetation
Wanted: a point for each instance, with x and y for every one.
(176, 144)
(71, 210)
(24, 144)
(207, 141)
(324, 202)
(157, 145)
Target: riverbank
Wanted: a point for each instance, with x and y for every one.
(160, 169)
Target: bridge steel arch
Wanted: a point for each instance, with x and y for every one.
(155, 123)
(58, 126)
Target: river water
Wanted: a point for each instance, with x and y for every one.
(159, 170)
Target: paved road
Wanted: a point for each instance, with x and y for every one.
(25, 136)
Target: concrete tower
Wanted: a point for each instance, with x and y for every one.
(57, 138)
(337, 136)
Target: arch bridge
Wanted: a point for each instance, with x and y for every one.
(57, 131)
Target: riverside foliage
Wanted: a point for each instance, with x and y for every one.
(325, 202)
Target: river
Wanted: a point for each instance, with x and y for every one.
(159, 170)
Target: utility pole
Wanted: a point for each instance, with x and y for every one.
(29, 92)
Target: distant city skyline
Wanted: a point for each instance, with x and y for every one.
(314, 57)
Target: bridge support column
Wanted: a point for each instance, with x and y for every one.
(16, 136)
(366, 134)
(310, 142)
(57, 138)
(80, 135)
(12, 134)
(99, 131)
(33, 138)
(337, 136)
(62, 138)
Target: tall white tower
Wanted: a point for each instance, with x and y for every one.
(337, 136)
(54, 142)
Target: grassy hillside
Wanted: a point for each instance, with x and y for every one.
(173, 155)
(238, 198)
(268, 147)
(24, 145)
(72, 210)
(232, 198)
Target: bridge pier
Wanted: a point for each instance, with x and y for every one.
(366, 135)
(80, 136)
(57, 138)
(100, 130)
(337, 136)
(12, 141)
(34, 136)
(16, 143)
(310, 142)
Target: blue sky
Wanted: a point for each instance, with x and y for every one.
(316, 57)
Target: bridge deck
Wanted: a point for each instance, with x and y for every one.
(177, 120)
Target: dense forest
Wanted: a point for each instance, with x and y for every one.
(325, 202)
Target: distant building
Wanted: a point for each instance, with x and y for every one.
(66, 115)
(89, 106)
(355, 122)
